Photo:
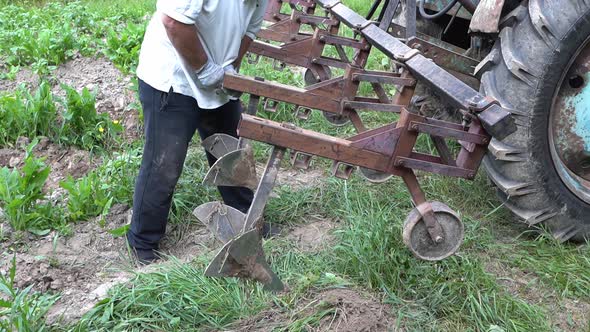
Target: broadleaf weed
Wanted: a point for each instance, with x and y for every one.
(21, 196)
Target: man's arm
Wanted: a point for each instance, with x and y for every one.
(185, 40)
(244, 46)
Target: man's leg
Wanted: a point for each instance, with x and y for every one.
(170, 121)
(224, 120)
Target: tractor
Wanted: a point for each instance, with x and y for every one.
(533, 57)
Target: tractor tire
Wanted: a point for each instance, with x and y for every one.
(525, 70)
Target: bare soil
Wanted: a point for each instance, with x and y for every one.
(82, 267)
(297, 179)
(313, 236)
(113, 88)
(63, 161)
(23, 76)
(342, 309)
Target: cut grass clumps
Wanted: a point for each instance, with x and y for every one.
(175, 298)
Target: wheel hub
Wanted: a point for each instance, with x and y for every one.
(569, 129)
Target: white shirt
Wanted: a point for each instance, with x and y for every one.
(221, 25)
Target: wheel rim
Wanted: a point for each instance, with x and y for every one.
(569, 125)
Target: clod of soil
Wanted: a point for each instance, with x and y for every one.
(314, 235)
(348, 310)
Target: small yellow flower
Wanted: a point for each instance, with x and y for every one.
(101, 129)
(116, 122)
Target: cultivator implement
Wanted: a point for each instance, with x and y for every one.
(432, 231)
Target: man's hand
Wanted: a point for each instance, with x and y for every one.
(210, 76)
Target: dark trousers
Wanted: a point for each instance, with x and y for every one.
(170, 121)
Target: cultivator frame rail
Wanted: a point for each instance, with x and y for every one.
(432, 231)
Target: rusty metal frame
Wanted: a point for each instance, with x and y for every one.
(390, 150)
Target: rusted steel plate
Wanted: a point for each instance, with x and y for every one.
(487, 16)
(282, 92)
(435, 168)
(310, 142)
(443, 57)
(439, 131)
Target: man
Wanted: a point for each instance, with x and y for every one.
(188, 46)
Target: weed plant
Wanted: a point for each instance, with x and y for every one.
(83, 126)
(26, 114)
(22, 197)
(22, 310)
(32, 115)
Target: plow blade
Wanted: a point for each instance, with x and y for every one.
(220, 144)
(243, 257)
(235, 169)
(222, 220)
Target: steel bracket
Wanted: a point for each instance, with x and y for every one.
(434, 229)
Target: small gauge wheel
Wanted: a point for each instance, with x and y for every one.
(309, 78)
(417, 238)
(374, 176)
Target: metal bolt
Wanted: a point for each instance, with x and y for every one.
(439, 239)
(399, 163)
(314, 60)
(471, 175)
(414, 127)
(322, 38)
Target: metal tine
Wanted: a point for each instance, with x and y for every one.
(342, 170)
(235, 169)
(244, 257)
(224, 221)
(301, 160)
(264, 189)
(220, 144)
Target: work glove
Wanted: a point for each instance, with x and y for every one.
(230, 69)
(210, 76)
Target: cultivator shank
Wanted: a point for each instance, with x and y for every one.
(432, 231)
